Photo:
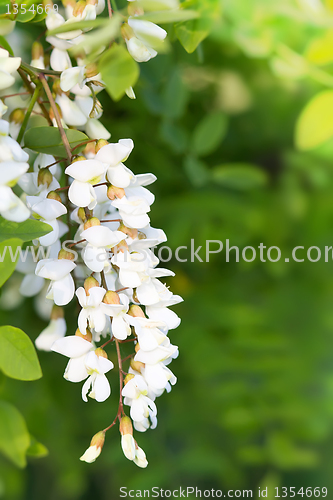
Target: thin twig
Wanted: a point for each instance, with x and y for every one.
(76, 243)
(83, 143)
(27, 83)
(28, 114)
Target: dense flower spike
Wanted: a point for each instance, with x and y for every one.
(99, 247)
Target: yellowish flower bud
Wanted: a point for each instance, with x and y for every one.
(79, 8)
(92, 222)
(115, 192)
(125, 426)
(82, 214)
(87, 336)
(37, 51)
(91, 69)
(90, 283)
(17, 116)
(126, 31)
(99, 144)
(136, 311)
(135, 9)
(57, 312)
(137, 365)
(111, 297)
(89, 149)
(131, 232)
(65, 254)
(53, 195)
(128, 377)
(44, 177)
(95, 448)
(101, 353)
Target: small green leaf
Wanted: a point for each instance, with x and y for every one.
(169, 16)
(14, 435)
(28, 15)
(25, 231)
(119, 71)
(36, 449)
(209, 133)
(9, 254)
(175, 96)
(239, 176)
(18, 358)
(48, 140)
(92, 42)
(3, 42)
(315, 125)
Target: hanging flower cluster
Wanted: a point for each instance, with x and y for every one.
(108, 267)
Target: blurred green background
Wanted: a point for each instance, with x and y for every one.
(254, 400)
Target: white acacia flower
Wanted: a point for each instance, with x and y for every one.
(112, 155)
(85, 173)
(133, 207)
(7, 66)
(61, 289)
(76, 348)
(94, 312)
(147, 35)
(121, 321)
(148, 332)
(71, 113)
(55, 330)
(135, 395)
(47, 210)
(94, 449)
(160, 311)
(100, 239)
(97, 366)
(60, 60)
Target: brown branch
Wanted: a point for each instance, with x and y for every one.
(31, 91)
(76, 243)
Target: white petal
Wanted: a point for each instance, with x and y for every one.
(72, 346)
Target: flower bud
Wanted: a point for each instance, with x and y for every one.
(44, 177)
(131, 232)
(121, 247)
(92, 222)
(137, 365)
(89, 150)
(37, 51)
(82, 214)
(126, 31)
(128, 377)
(66, 254)
(125, 426)
(136, 311)
(127, 440)
(141, 235)
(87, 336)
(56, 89)
(135, 9)
(99, 144)
(79, 8)
(111, 297)
(137, 347)
(17, 116)
(57, 312)
(115, 192)
(79, 158)
(90, 283)
(53, 195)
(95, 448)
(101, 353)
(91, 70)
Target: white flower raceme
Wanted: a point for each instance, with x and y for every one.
(160, 311)
(134, 206)
(130, 447)
(71, 113)
(100, 239)
(61, 289)
(85, 173)
(117, 306)
(147, 35)
(112, 155)
(97, 365)
(8, 65)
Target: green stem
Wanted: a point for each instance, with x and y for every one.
(28, 113)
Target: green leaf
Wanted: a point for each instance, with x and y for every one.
(191, 33)
(80, 25)
(48, 140)
(36, 449)
(209, 133)
(18, 358)
(3, 41)
(101, 37)
(197, 171)
(239, 176)
(169, 16)
(14, 435)
(9, 254)
(315, 125)
(119, 71)
(29, 14)
(26, 231)
(175, 96)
